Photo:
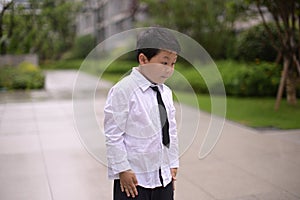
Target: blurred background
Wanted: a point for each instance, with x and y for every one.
(255, 45)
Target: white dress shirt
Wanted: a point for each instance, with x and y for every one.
(133, 131)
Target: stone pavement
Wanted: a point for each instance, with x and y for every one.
(42, 157)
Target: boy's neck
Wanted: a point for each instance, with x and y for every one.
(139, 70)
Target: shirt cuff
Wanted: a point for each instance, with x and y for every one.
(174, 164)
(120, 167)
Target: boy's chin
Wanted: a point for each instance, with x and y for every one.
(158, 80)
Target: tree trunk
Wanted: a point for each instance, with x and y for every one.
(286, 64)
(2, 43)
(291, 88)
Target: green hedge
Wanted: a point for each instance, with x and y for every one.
(83, 46)
(62, 64)
(245, 79)
(24, 76)
(239, 79)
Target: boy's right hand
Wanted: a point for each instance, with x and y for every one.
(128, 183)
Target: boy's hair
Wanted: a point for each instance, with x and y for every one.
(154, 39)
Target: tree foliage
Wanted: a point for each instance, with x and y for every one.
(44, 27)
(254, 44)
(4, 6)
(208, 22)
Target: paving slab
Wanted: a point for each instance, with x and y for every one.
(42, 155)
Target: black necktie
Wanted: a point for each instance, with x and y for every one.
(163, 118)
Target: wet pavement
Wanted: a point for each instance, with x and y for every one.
(42, 156)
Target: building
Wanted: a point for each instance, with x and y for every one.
(103, 18)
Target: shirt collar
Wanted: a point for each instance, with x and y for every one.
(142, 81)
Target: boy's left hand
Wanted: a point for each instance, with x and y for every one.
(173, 173)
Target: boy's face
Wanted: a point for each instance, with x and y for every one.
(159, 68)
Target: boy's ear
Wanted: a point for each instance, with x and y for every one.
(142, 59)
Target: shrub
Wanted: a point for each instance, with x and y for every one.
(120, 67)
(185, 78)
(240, 79)
(255, 43)
(83, 46)
(62, 64)
(24, 76)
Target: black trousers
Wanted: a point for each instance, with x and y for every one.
(159, 193)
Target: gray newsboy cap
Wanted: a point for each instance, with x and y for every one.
(158, 38)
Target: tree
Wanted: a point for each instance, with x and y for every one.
(44, 27)
(286, 15)
(4, 6)
(208, 22)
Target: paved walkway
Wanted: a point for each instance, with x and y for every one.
(42, 158)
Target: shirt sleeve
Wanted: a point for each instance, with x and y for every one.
(115, 116)
(173, 151)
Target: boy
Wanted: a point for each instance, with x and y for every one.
(140, 126)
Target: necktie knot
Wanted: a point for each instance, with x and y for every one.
(155, 88)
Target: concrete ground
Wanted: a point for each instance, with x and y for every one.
(45, 155)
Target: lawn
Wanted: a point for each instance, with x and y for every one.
(253, 112)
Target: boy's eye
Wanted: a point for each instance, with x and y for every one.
(164, 63)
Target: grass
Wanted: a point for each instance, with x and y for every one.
(253, 112)
(260, 112)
